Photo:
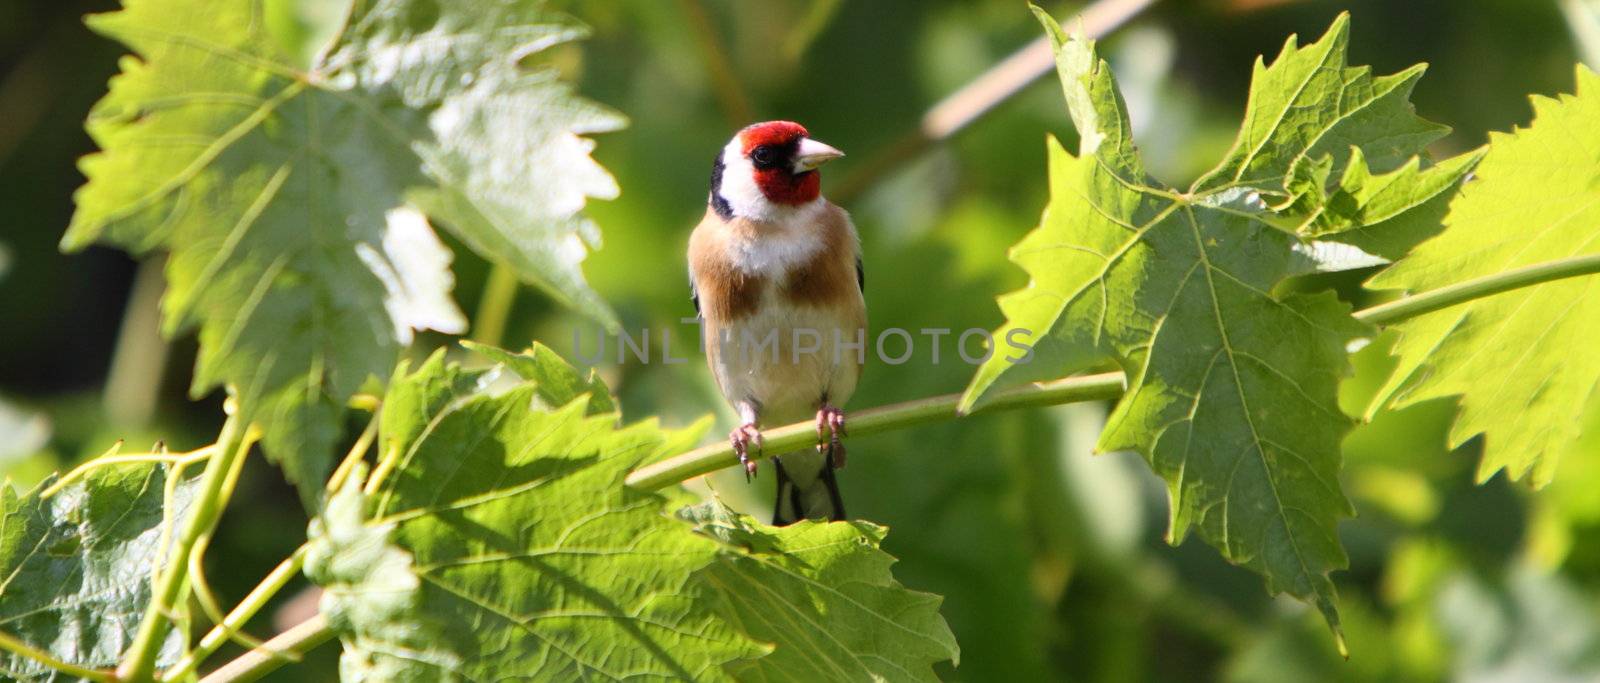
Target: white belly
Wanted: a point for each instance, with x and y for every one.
(788, 359)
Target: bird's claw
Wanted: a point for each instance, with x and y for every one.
(830, 433)
(741, 438)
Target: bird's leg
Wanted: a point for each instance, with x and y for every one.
(743, 436)
(830, 433)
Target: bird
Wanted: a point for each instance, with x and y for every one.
(776, 279)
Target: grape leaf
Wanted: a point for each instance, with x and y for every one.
(1231, 386)
(508, 537)
(822, 594)
(1384, 213)
(1536, 199)
(1309, 104)
(76, 567)
(555, 380)
(372, 595)
(276, 187)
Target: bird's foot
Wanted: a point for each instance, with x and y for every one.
(830, 433)
(742, 438)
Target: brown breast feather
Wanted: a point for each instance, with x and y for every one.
(728, 294)
(830, 275)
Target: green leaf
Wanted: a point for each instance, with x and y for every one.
(1309, 104)
(822, 595)
(513, 544)
(1385, 214)
(1536, 199)
(556, 381)
(1231, 381)
(76, 567)
(280, 189)
(371, 594)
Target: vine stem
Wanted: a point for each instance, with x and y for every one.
(241, 615)
(873, 420)
(1444, 297)
(499, 294)
(296, 641)
(138, 665)
(1106, 386)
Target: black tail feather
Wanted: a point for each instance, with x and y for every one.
(790, 503)
(830, 479)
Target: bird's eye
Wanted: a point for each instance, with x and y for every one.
(763, 156)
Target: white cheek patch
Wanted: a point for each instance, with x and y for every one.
(744, 196)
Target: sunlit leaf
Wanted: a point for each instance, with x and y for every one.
(1308, 104)
(76, 568)
(1386, 214)
(556, 381)
(505, 534)
(275, 186)
(372, 595)
(1537, 199)
(821, 594)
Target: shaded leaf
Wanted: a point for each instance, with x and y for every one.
(76, 567)
(514, 546)
(1537, 199)
(274, 185)
(823, 596)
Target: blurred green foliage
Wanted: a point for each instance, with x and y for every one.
(1052, 562)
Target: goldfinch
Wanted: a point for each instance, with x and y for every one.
(776, 278)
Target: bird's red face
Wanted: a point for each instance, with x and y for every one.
(768, 166)
(771, 148)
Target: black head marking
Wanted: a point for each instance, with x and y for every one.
(766, 156)
(775, 155)
(719, 203)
